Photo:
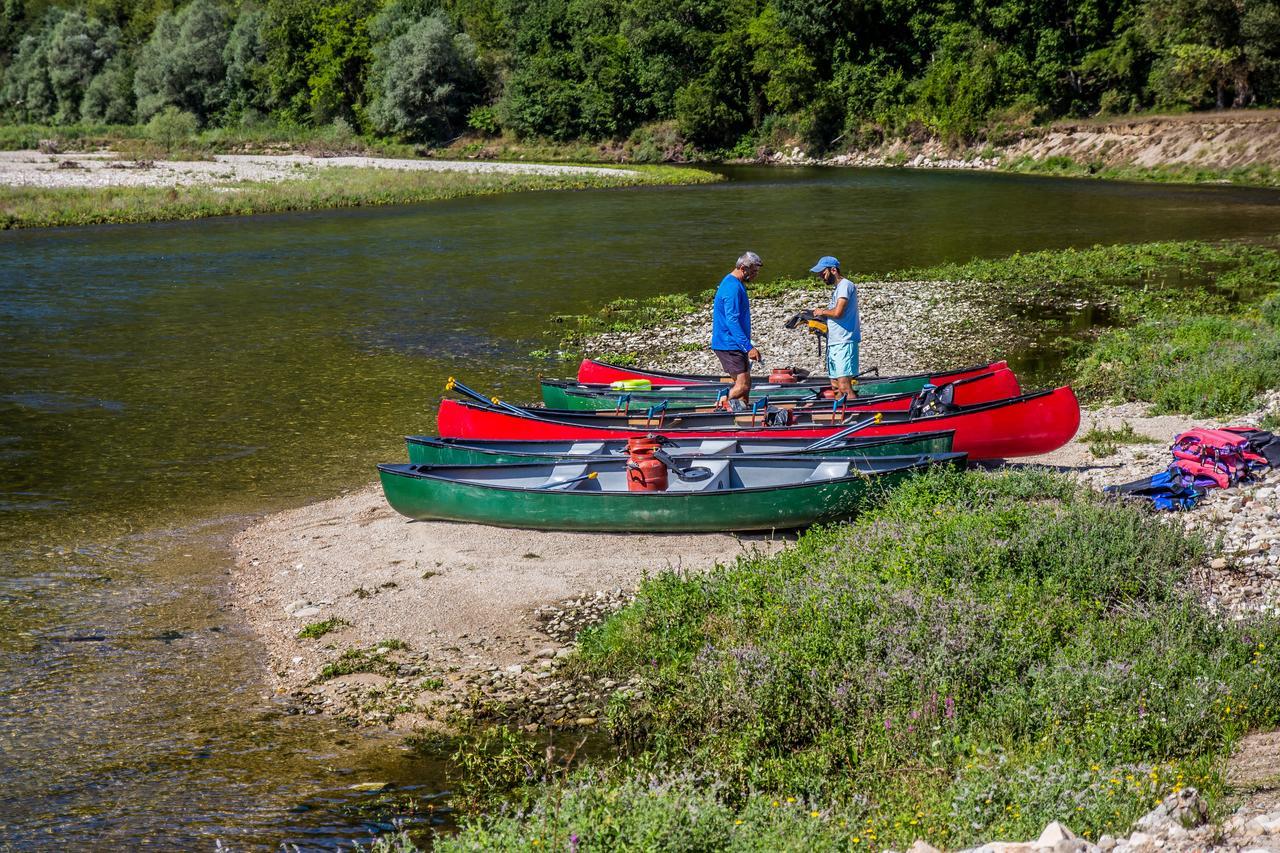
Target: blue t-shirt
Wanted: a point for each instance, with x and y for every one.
(731, 316)
(845, 328)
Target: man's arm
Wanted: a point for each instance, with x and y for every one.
(841, 304)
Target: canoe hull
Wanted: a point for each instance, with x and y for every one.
(560, 395)
(998, 385)
(425, 450)
(591, 372)
(1022, 426)
(783, 508)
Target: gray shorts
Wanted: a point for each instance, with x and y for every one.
(734, 361)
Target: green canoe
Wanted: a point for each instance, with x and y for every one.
(738, 493)
(429, 450)
(569, 394)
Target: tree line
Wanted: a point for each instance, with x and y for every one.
(724, 74)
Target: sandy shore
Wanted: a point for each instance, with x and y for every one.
(464, 599)
(105, 169)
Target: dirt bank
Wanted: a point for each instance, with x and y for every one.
(1220, 140)
(1214, 142)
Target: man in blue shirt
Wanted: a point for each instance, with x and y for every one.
(844, 333)
(731, 327)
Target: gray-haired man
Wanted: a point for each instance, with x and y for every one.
(731, 327)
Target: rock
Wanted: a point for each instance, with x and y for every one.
(1140, 840)
(515, 669)
(306, 613)
(296, 605)
(1218, 563)
(922, 846)
(1054, 833)
(1106, 843)
(585, 721)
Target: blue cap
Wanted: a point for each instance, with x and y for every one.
(824, 262)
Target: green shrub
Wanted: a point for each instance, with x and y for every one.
(172, 128)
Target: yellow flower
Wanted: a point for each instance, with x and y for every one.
(791, 799)
(737, 823)
(815, 814)
(775, 804)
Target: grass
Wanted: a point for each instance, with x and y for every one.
(360, 660)
(316, 630)
(1209, 366)
(1105, 442)
(1259, 175)
(336, 187)
(976, 656)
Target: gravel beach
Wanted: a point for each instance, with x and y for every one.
(105, 169)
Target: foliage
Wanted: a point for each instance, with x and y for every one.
(1105, 442)
(974, 657)
(732, 75)
(1206, 366)
(424, 80)
(316, 630)
(172, 128)
(183, 65)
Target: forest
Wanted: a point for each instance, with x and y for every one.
(720, 75)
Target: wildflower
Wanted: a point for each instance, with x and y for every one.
(791, 799)
(888, 725)
(951, 708)
(815, 814)
(775, 804)
(573, 843)
(738, 822)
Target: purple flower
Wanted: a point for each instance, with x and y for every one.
(573, 843)
(887, 725)
(951, 708)
(1142, 707)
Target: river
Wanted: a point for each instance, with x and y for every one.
(162, 384)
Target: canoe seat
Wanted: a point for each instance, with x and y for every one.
(719, 478)
(586, 448)
(829, 470)
(566, 471)
(710, 447)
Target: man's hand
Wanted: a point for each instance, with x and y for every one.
(753, 354)
(818, 313)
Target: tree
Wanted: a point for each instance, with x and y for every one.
(182, 64)
(245, 58)
(424, 80)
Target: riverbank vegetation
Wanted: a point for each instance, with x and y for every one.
(721, 78)
(315, 188)
(971, 658)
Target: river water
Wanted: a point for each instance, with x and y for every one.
(163, 384)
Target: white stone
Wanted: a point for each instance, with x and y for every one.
(922, 846)
(306, 613)
(1054, 833)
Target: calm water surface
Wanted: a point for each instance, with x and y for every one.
(162, 384)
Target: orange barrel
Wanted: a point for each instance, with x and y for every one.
(782, 375)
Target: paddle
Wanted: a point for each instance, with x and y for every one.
(562, 483)
(692, 474)
(834, 438)
(455, 385)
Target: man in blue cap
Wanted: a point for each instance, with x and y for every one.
(844, 334)
(731, 327)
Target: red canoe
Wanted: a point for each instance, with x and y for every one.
(592, 372)
(984, 388)
(1020, 426)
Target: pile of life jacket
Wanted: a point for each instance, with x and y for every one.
(1205, 459)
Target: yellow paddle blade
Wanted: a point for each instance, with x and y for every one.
(879, 417)
(448, 386)
(593, 475)
(494, 400)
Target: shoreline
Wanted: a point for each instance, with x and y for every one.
(39, 190)
(488, 615)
